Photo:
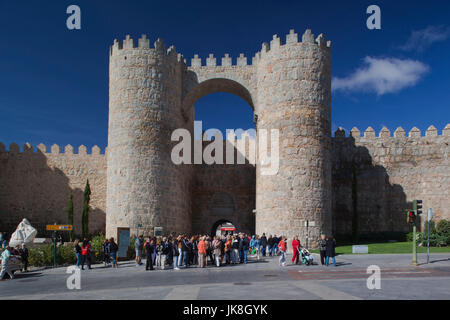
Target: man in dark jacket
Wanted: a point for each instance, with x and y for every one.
(185, 250)
(24, 256)
(331, 252)
(263, 244)
(270, 243)
(169, 245)
(243, 248)
(148, 255)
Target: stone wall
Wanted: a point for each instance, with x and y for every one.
(376, 178)
(225, 192)
(36, 185)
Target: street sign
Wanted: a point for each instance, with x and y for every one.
(56, 227)
(158, 231)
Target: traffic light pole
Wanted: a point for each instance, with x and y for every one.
(414, 258)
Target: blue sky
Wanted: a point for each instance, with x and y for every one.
(54, 81)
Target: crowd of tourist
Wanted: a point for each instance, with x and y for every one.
(202, 250)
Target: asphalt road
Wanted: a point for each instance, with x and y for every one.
(256, 280)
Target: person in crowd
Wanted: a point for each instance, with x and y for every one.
(113, 248)
(263, 244)
(257, 247)
(331, 252)
(24, 255)
(148, 254)
(180, 252)
(208, 245)
(282, 245)
(223, 239)
(217, 245)
(235, 248)
(16, 251)
(295, 250)
(275, 245)
(175, 254)
(159, 249)
(185, 251)
(1, 238)
(227, 250)
(243, 248)
(6, 256)
(106, 252)
(153, 244)
(202, 252)
(169, 250)
(85, 254)
(164, 252)
(252, 245)
(322, 248)
(138, 245)
(194, 241)
(77, 250)
(190, 253)
(270, 243)
(5, 240)
(60, 239)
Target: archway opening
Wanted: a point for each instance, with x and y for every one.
(223, 227)
(222, 104)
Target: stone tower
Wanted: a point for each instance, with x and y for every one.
(144, 187)
(294, 96)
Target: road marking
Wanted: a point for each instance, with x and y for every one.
(324, 292)
(183, 293)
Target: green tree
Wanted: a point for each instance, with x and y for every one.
(85, 216)
(70, 216)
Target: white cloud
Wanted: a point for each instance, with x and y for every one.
(382, 75)
(419, 40)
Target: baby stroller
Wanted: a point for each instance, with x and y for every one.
(307, 258)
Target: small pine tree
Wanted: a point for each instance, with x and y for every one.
(70, 216)
(85, 216)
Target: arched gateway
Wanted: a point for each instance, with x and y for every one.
(152, 93)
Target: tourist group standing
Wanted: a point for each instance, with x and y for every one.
(183, 251)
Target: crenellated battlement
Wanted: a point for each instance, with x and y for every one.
(144, 44)
(275, 44)
(55, 149)
(385, 133)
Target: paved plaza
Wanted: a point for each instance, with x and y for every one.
(264, 280)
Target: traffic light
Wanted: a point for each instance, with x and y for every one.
(411, 217)
(417, 206)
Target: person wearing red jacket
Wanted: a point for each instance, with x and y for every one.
(85, 254)
(282, 245)
(296, 250)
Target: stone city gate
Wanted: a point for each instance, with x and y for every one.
(152, 93)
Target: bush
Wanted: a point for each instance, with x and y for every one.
(131, 253)
(439, 235)
(97, 247)
(43, 255)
